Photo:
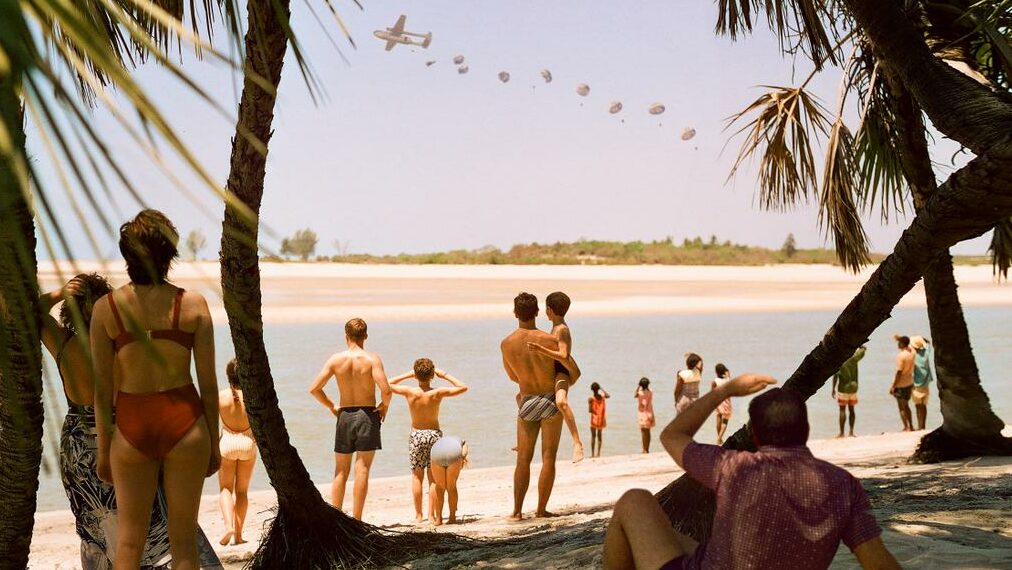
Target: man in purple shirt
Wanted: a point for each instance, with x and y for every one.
(778, 507)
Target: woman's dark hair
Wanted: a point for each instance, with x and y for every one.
(692, 360)
(595, 388)
(644, 385)
(779, 417)
(149, 244)
(233, 379)
(92, 287)
(721, 370)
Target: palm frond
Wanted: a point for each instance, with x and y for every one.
(788, 122)
(800, 25)
(1001, 249)
(838, 213)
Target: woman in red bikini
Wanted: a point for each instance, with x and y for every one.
(144, 333)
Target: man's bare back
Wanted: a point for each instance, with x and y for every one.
(534, 372)
(357, 372)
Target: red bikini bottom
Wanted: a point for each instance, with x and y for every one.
(154, 422)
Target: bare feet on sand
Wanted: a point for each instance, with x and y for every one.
(515, 517)
(840, 435)
(577, 452)
(545, 514)
(226, 538)
(239, 540)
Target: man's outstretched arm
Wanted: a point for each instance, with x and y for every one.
(873, 555)
(678, 434)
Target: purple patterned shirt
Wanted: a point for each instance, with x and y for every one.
(779, 507)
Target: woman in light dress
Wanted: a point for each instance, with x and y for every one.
(238, 456)
(448, 456)
(687, 382)
(645, 411)
(724, 409)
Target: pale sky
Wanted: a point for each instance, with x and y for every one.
(407, 158)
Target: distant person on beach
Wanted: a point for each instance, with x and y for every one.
(155, 426)
(538, 413)
(687, 382)
(423, 403)
(238, 456)
(556, 307)
(778, 507)
(597, 406)
(359, 373)
(645, 412)
(923, 376)
(844, 389)
(724, 409)
(449, 456)
(903, 381)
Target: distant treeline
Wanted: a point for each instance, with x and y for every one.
(697, 251)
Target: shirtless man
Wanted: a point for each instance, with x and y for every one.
(423, 403)
(556, 307)
(358, 374)
(535, 373)
(903, 381)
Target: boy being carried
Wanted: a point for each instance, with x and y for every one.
(566, 370)
(423, 403)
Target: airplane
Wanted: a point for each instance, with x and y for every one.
(397, 35)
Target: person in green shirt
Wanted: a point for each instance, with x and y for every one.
(845, 389)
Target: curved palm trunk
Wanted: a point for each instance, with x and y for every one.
(21, 410)
(969, 425)
(306, 531)
(952, 215)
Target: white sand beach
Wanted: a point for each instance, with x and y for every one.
(330, 292)
(950, 515)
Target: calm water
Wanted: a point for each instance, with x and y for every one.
(613, 351)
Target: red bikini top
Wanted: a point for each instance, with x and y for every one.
(175, 334)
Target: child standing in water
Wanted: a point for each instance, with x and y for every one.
(598, 420)
(645, 411)
(724, 409)
(687, 382)
(566, 371)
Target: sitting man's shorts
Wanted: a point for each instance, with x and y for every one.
(920, 395)
(845, 399)
(358, 429)
(903, 393)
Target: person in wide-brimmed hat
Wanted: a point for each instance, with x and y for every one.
(922, 377)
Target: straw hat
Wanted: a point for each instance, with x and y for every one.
(918, 342)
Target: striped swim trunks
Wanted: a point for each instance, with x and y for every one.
(538, 407)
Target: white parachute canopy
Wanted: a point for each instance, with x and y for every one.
(504, 76)
(547, 75)
(615, 107)
(688, 133)
(463, 69)
(583, 89)
(656, 109)
(458, 59)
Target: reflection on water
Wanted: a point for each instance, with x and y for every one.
(613, 351)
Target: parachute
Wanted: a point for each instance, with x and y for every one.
(547, 75)
(583, 89)
(430, 63)
(615, 107)
(504, 76)
(458, 59)
(688, 133)
(463, 69)
(656, 109)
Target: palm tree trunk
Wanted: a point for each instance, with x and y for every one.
(955, 213)
(969, 425)
(21, 410)
(306, 531)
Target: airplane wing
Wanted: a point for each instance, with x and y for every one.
(398, 28)
(390, 45)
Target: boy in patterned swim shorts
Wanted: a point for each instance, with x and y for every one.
(423, 403)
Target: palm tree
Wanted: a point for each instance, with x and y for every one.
(860, 170)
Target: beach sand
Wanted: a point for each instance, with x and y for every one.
(330, 292)
(950, 515)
